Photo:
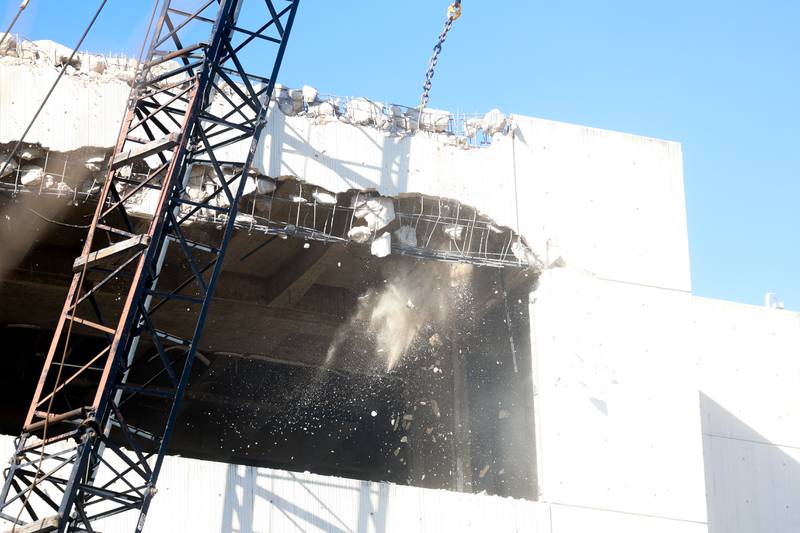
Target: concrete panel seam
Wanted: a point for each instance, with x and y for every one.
(646, 285)
(628, 513)
(751, 441)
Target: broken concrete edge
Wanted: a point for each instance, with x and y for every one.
(467, 131)
(81, 180)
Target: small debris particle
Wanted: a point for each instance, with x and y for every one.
(484, 470)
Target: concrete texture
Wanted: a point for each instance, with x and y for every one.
(655, 411)
(82, 112)
(610, 203)
(217, 497)
(617, 423)
(749, 363)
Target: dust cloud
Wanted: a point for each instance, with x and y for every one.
(416, 301)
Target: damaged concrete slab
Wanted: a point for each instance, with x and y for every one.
(379, 315)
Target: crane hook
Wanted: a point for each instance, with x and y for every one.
(454, 11)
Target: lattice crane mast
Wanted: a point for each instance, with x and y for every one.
(69, 470)
(83, 458)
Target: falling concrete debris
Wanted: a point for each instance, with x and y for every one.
(359, 234)
(377, 212)
(382, 246)
(435, 409)
(435, 341)
(392, 326)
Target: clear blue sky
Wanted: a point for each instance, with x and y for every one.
(720, 77)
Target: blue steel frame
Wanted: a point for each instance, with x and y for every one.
(80, 459)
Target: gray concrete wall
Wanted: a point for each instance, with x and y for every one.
(616, 405)
(609, 203)
(749, 362)
(202, 496)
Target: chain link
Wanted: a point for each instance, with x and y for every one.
(426, 88)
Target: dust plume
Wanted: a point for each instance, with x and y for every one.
(415, 299)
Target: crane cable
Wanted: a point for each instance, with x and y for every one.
(22, 7)
(453, 13)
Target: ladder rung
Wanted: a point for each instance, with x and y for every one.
(139, 242)
(192, 244)
(45, 525)
(166, 56)
(116, 230)
(38, 443)
(91, 324)
(135, 431)
(143, 390)
(220, 162)
(134, 182)
(171, 296)
(172, 338)
(50, 418)
(151, 148)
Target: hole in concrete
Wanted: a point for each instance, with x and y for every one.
(325, 358)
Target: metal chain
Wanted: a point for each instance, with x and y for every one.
(426, 88)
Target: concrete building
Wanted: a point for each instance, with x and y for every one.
(511, 343)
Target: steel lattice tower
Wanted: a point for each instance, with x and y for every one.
(86, 456)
